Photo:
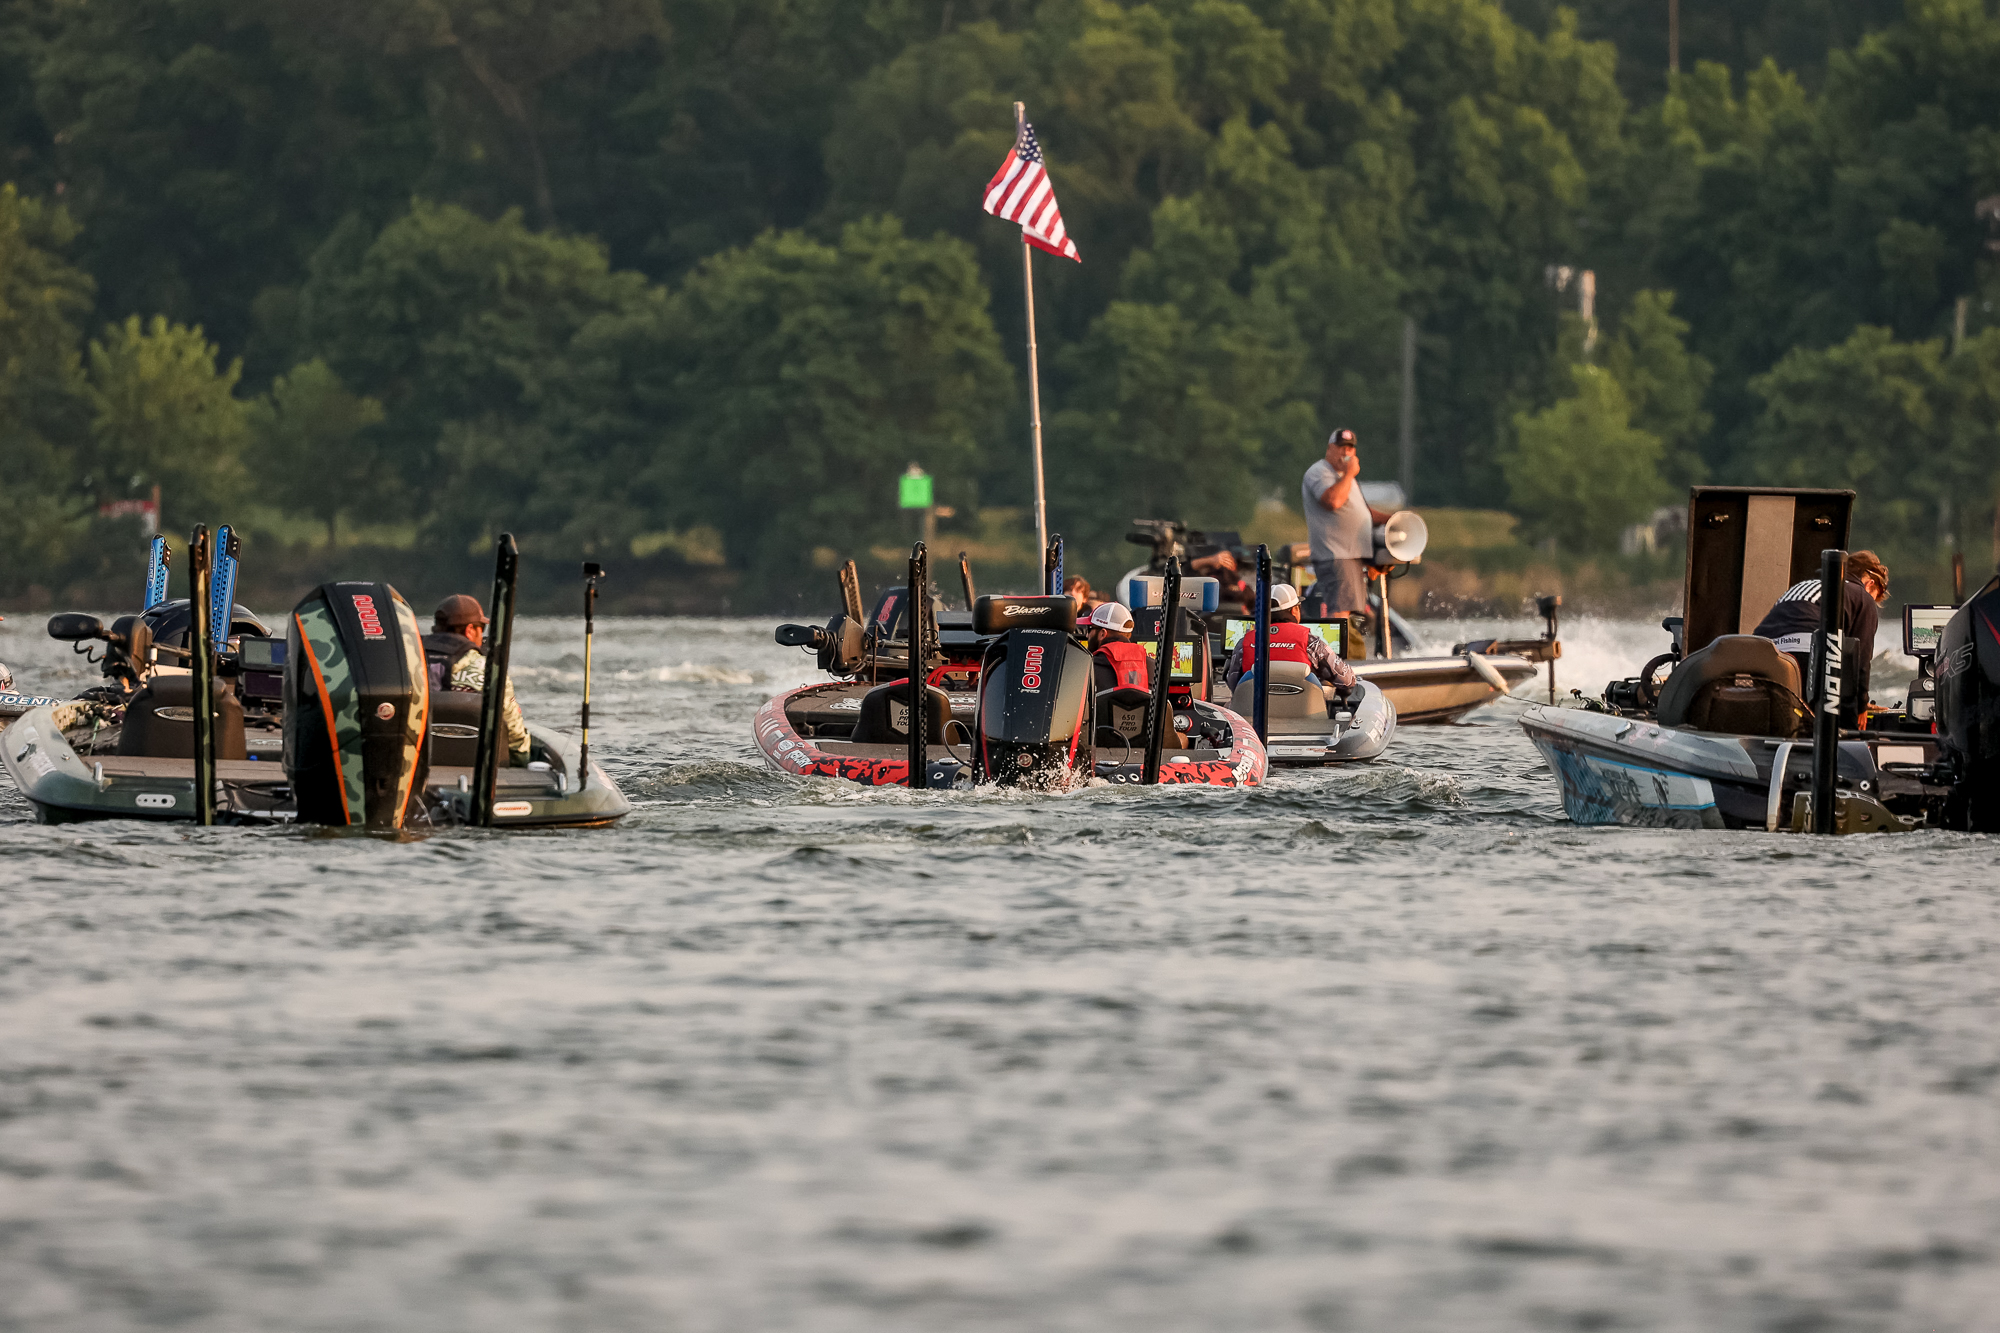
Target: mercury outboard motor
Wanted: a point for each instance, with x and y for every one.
(1034, 694)
(1968, 711)
(357, 698)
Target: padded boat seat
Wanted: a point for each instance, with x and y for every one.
(453, 733)
(1294, 692)
(1121, 718)
(1739, 684)
(159, 722)
(885, 715)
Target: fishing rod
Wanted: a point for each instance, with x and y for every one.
(592, 572)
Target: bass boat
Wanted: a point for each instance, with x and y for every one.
(1008, 697)
(1723, 730)
(332, 721)
(1385, 650)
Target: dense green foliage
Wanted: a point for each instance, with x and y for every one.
(607, 272)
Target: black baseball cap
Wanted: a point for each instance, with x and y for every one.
(1344, 437)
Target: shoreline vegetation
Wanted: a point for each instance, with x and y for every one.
(685, 289)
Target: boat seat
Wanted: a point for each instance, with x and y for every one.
(885, 715)
(159, 722)
(1121, 717)
(453, 730)
(1739, 684)
(1294, 693)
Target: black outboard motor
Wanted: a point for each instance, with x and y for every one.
(1968, 711)
(168, 624)
(357, 698)
(1034, 694)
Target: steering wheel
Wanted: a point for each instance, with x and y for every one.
(1649, 689)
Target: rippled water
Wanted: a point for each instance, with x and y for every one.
(1387, 1048)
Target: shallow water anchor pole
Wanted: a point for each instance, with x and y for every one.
(918, 618)
(1827, 690)
(965, 577)
(1052, 567)
(1159, 714)
(1260, 711)
(201, 660)
(592, 572)
(492, 718)
(1385, 639)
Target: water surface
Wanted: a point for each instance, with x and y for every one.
(1391, 1047)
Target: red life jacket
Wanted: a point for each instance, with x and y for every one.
(1288, 644)
(1128, 663)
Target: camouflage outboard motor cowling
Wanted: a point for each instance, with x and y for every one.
(357, 699)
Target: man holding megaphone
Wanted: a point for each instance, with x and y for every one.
(1341, 526)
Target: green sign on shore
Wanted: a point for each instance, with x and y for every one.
(913, 489)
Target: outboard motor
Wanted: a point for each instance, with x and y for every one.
(1968, 711)
(357, 698)
(1034, 694)
(167, 624)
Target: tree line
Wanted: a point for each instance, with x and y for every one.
(610, 272)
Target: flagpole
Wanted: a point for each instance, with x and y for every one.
(1034, 374)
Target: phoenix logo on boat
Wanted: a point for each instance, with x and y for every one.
(371, 621)
(1031, 670)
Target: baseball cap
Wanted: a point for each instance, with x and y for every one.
(1283, 597)
(1344, 436)
(1112, 616)
(460, 609)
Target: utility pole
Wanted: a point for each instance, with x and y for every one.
(1406, 437)
(1673, 36)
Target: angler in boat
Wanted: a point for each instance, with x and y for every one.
(332, 722)
(1010, 694)
(455, 659)
(1793, 618)
(1724, 730)
(1383, 648)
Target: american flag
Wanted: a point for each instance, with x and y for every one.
(1020, 192)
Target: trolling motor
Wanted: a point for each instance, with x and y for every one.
(1166, 539)
(847, 644)
(128, 645)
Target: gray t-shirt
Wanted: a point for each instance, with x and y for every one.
(1346, 535)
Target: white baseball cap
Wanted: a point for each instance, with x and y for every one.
(1283, 597)
(1112, 616)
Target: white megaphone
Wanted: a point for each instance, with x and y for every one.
(1400, 540)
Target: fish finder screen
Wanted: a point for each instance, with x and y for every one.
(262, 654)
(1923, 627)
(1235, 631)
(1183, 658)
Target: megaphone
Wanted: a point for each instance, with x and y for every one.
(1400, 540)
